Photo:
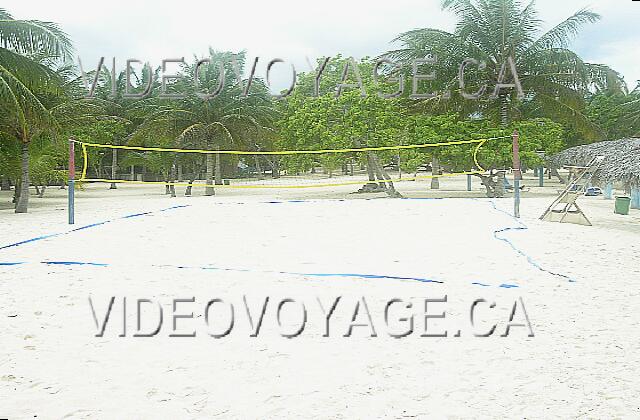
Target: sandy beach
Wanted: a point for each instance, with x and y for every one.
(333, 210)
(578, 286)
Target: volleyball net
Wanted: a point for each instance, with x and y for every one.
(371, 167)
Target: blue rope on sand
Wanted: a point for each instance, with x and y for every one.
(289, 273)
(522, 227)
(496, 233)
(74, 263)
(53, 235)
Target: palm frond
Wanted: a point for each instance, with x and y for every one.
(560, 35)
(30, 37)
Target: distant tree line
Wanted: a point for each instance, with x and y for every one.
(565, 101)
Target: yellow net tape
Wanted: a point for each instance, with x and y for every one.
(479, 143)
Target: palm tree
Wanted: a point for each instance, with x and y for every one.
(9, 164)
(26, 49)
(555, 79)
(632, 109)
(214, 124)
(120, 109)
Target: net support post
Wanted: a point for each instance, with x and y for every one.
(468, 182)
(72, 180)
(517, 175)
(608, 192)
(635, 198)
(541, 176)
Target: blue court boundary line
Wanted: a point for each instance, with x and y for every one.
(244, 270)
(130, 216)
(53, 235)
(522, 227)
(496, 233)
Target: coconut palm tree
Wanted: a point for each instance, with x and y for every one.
(215, 123)
(27, 50)
(554, 78)
(121, 110)
(632, 110)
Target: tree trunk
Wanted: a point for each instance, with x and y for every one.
(189, 188)
(256, 159)
(373, 164)
(16, 192)
(180, 176)
(218, 170)
(195, 174)
(114, 168)
(209, 190)
(504, 110)
(488, 183)
(554, 171)
(494, 183)
(374, 169)
(383, 175)
(499, 188)
(5, 184)
(435, 171)
(100, 168)
(275, 167)
(370, 171)
(172, 177)
(166, 175)
(504, 119)
(22, 203)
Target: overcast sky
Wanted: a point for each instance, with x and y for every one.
(293, 30)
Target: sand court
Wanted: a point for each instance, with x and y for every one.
(256, 247)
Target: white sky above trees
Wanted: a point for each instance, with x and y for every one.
(292, 30)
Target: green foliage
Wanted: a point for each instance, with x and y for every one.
(350, 120)
(42, 104)
(329, 122)
(618, 114)
(534, 135)
(28, 48)
(219, 122)
(555, 79)
(101, 131)
(47, 166)
(230, 120)
(9, 161)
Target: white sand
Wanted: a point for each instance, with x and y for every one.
(583, 361)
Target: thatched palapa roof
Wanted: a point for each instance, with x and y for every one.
(621, 162)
